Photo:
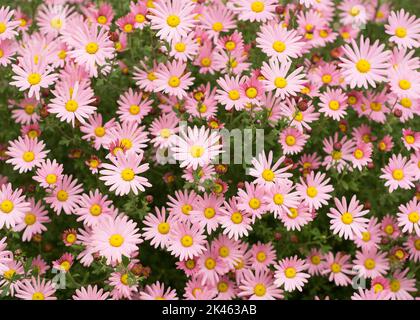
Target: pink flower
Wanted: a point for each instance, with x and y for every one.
(292, 140)
(7, 24)
(401, 286)
(338, 267)
(53, 19)
(132, 107)
(251, 10)
(280, 199)
(409, 217)
(26, 153)
(235, 224)
(207, 211)
(315, 190)
(259, 285)
(362, 155)
(290, 273)
(172, 79)
(404, 29)
(13, 206)
(371, 263)
(156, 291)
(65, 195)
(90, 293)
(333, 103)
(157, 228)
(263, 256)
(398, 173)
(35, 289)
(186, 241)
(411, 139)
(251, 200)
(268, 174)
(48, 173)
(93, 208)
(115, 237)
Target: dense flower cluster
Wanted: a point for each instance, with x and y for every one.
(101, 183)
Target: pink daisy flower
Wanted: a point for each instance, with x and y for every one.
(266, 173)
(115, 237)
(182, 204)
(7, 51)
(401, 286)
(369, 294)
(262, 256)
(366, 64)
(26, 153)
(405, 83)
(235, 224)
(315, 190)
(157, 228)
(399, 173)
(259, 285)
(371, 263)
(217, 19)
(251, 10)
(210, 267)
(156, 291)
(127, 137)
(65, 195)
(280, 198)
(7, 24)
(172, 79)
(348, 220)
(184, 49)
(64, 263)
(145, 77)
(413, 246)
(404, 29)
(95, 130)
(53, 19)
(35, 289)
(333, 104)
(315, 262)
(297, 118)
(163, 130)
(338, 267)
(362, 155)
(26, 112)
(123, 286)
(251, 200)
(48, 173)
(93, 208)
(196, 147)
(389, 227)
(186, 241)
(370, 238)
(207, 211)
(122, 174)
(13, 206)
(90, 293)
(296, 217)
(411, 139)
(33, 222)
(132, 107)
(409, 217)
(292, 140)
(277, 79)
(229, 93)
(290, 274)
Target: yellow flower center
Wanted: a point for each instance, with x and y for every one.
(347, 218)
(236, 217)
(398, 174)
(71, 238)
(389, 229)
(336, 155)
(404, 84)
(280, 82)
(290, 272)
(51, 178)
(363, 66)
(38, 296)
(99, 131)
(335, 267)
(206, 62)
(62, 195)
(366, 236)
(222, 286)
(190, 264)
(165, 133)
(163, 228)
(186, 208)
(311, 192)
(180, 47)
(323, 33)
(395, 285)
(268, 175)
(414, 217)
(354, 11)
(326, 78)
(279, 46)
(56, 23)
(378, 287)
(259, 290)
(376, 106)
(173, 21)
(139, 18)
(234, 94)
(92, 48)
(102, 19)
(251, 92)
(293, 213)
(290, 140)
(210, 263)
(128, 28)
(278, 199)
(127, 174)
(358, 154)
(28, 156)
(401, 32)
(334, 105)
(298, 116)
(124, 279)
(174, 82)
(224, 251)
(409, 139)
(126, 143)
(352, 100)
(116, 240)
(134, 109)
(95, 210)
(72, 106)
(65, 265)
(152, 76)
(196, 151)
(254, 203)
(370, 264)
(34, 79)
(8, 275)
(3, 27)
(417, 244)
(29, 109)
(230, 45)
(406, 102)
(316, 260)
(217, 26)
(187, 241)
(30, 219)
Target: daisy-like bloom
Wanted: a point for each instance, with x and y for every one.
(309, 162)
(26, 153)
(389, 227)
(13, 206)
(48, 173)
(371, 263)
(123, 285)
(195, 290)
(371, 237)
(10, 272)
(277, 78)
(315, 262)
(370, 294)
(184, 49)
(126, 23)
(259, 285)
(262, 255)
(292, 140)
(404, 29)
(290, 274)
(251, 200)
(411, 139)
(297, 217)
(127, 137)
(399, 173)
(156, 291)
(189, 266)
(93, 207)
(338, 267)
(207, 212)
(365, 64)
(72, 102)
(91, 47)
(7, 51)
(315, 189)
(338, 158)
(362, 155)
(210, 267)
(172, 79)
(196, 147)
(122, 175)
(333, 103)
(280, 198)
(354, 13)
(26, 112)
(53, 19)
(145, 77)
(65, 195)
(157, 228)
(405, 84)
(90, 293)
(235, 224)
(279, 43)
(32, 76)
(33, 222)
(94, 129)
(35, 289)
(174, 19)
(401, 286)
(64, 263)
(181, 206)
(115, 237)
(297, 118)
(132, 107)
(229, 93)
(186, 241)
(409, 217)
(163, 130)
(412, 245)
(7, 24)
(226, 289)
(266, 173)
(347, 220)
(217, 19)
(251, 10)
(227, 250)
